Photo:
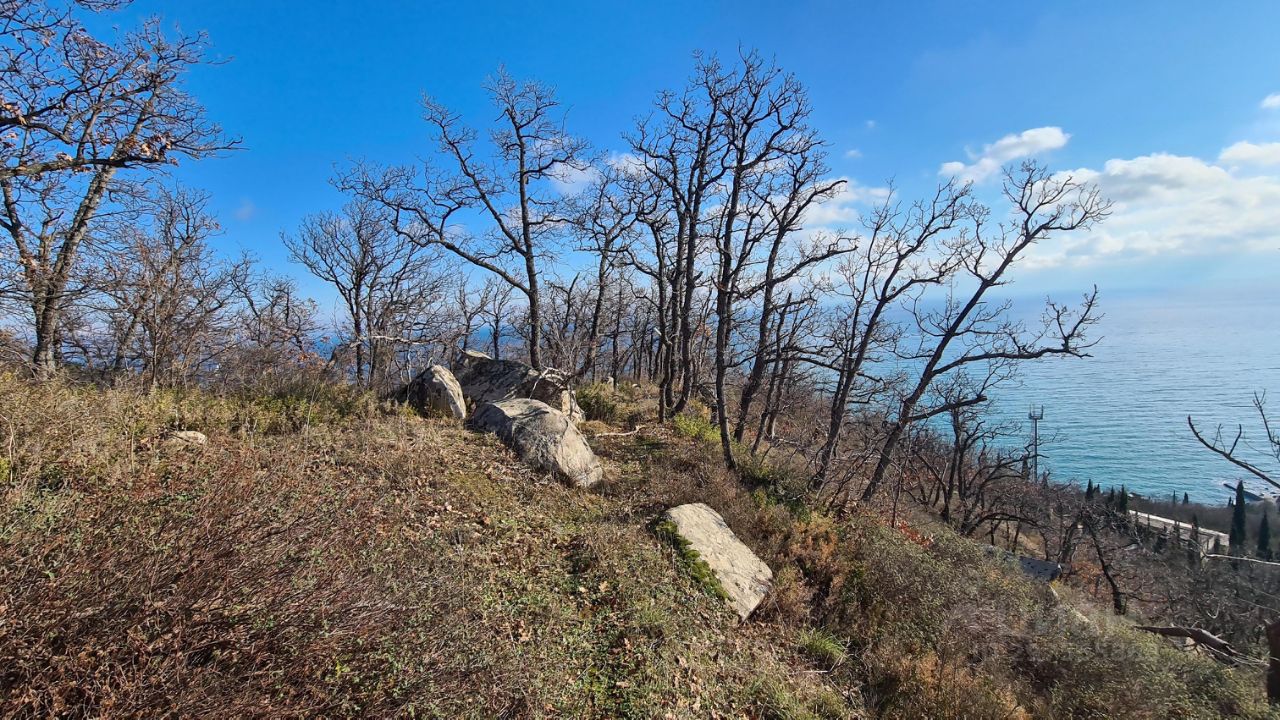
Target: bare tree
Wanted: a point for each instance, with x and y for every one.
(896, 260)
(795, 184)
(171, 299)
(469, 306)
(275, 321)
(604, 218)
(969, 336)
(727, 169)
(976, 484)
(681, 153)
(74, 112)
(512, 190)
(1231, 451)
(496, 297)
(384, 279)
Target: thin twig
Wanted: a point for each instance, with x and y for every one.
(619, 434)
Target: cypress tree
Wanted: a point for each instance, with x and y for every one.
(1186, 499)
(1123, 505)
(1236, 538)
(1264, 538)
(1111, 496)
(1088, 491)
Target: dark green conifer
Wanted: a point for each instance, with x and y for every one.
(1236, 538)
(1264, 538)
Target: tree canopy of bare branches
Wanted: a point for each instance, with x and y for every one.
(75, 111)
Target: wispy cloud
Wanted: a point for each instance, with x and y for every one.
(987, 163)
(844, 209)
(1271, 102)
(246, 211)
(853, 154)
(569, 180)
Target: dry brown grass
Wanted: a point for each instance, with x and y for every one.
(339, 559)
(326, 555)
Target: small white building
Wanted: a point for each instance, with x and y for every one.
(1180, 530)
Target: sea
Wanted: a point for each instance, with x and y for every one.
(1120, 417)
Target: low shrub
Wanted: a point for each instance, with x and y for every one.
(597, 402)
(698, 428)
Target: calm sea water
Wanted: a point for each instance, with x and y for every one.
(1120, 416)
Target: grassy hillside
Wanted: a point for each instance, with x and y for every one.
(328, 555)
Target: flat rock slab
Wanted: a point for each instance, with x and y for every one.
(543, 437)
(746, 579)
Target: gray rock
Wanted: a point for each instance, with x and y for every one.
(543, 437)
(435, 391)
(1034, 568)
(746, 579)
(484, 380)
(189, 437)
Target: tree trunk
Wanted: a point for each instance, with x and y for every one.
(1273, 666)
(535, 319)
(44, 359)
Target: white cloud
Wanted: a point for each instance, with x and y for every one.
(845, 209)
(1170, 206)
(628, 164)
(246, 210)
(853, 154)
(871, 124)
(1247, 153)
(569, 180)
(1010, 147)
(1271, 102)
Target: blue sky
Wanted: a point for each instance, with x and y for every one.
(1162, 103)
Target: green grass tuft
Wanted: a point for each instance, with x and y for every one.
(693, 562)
(822, 647)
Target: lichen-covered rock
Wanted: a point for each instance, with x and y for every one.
(484, 380)
(435, 391)
(743, 578)
(543, 437)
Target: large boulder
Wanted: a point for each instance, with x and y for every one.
(486, 380)
(435, 391)
(744, 578)
(543, 437)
